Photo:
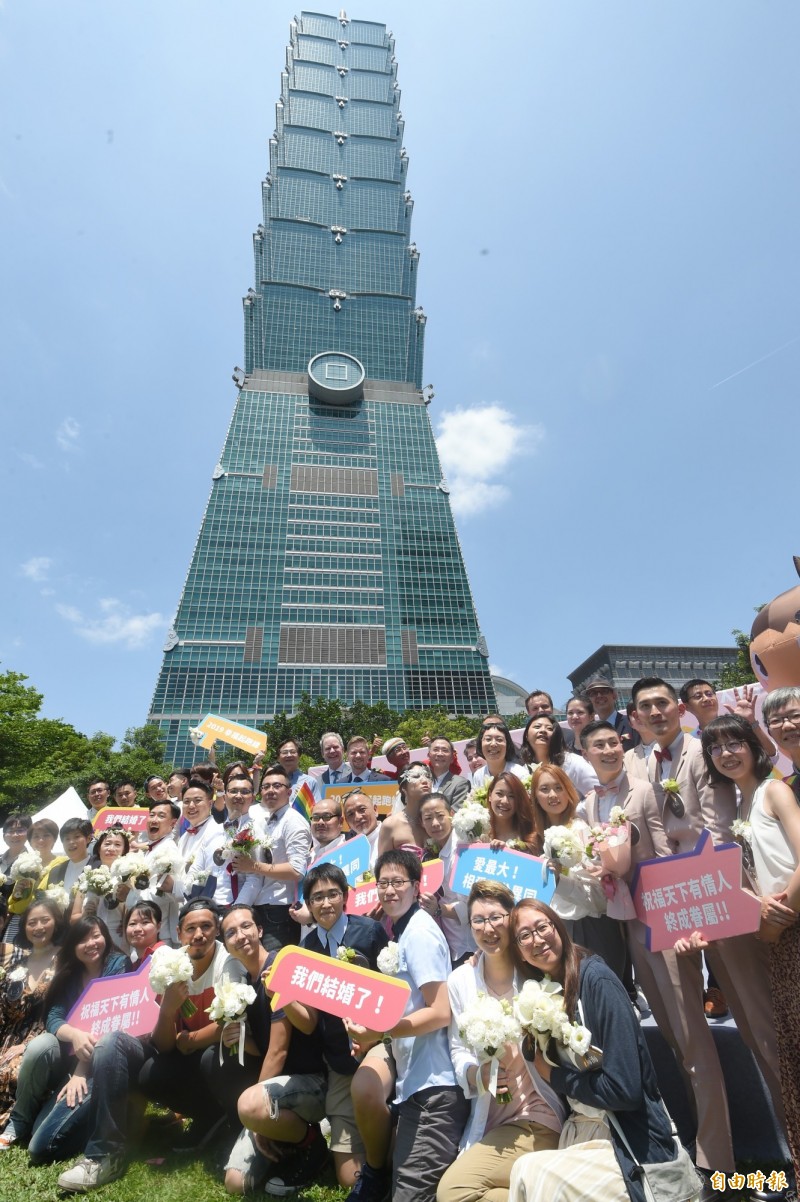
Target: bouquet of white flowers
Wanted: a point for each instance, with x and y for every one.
(163, 860)
(231, 999)
(27, 866)
(59, 895)
(563, 846)
(168, 965)
(539, 1007)
(25, 872)
(471, 822)
(243, 842)
(480, 795)
(131, 869)
(388, 960)
(98, 881)
(485, 1025)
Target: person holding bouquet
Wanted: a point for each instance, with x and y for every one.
(513, 1110)
(511, 822)
(612, 1091)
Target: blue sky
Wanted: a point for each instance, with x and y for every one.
(606, 200)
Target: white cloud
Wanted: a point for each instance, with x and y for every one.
(30, 460)
(476, 445)
(114, 624)
(496, 670)
(67, 434)
(36, 568)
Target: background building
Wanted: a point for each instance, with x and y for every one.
(623, 666)
(328, 561)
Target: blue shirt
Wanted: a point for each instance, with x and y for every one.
(334, 936)
(423, 1061)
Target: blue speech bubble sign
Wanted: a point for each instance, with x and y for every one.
(526, 876)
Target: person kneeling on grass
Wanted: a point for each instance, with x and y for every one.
(361, 939)
(282, 1075)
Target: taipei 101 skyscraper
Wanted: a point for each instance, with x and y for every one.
(328, 561)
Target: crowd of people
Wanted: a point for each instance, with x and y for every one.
(566, 1103)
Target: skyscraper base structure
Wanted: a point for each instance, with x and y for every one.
(328, 561)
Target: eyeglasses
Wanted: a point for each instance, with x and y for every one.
(269, 786)
(323, 817)
(781, 719)
(397, 883)
(14, 830)
(493, 920)
(238, 792)
(329, 895)
(718, 749)
(540, 931)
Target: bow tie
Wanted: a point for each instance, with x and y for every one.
(193, 830)
(606, 790)
(666, 754)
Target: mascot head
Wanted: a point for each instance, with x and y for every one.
(775, 635)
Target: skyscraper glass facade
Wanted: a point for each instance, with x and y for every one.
(328, 561)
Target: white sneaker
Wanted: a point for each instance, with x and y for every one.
(91, 1174)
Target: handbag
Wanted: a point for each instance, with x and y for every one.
(668, 1180)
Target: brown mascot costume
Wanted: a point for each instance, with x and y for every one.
(775, 645)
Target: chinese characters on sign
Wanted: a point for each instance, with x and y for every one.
(524, 875)
(244, 737)
(363, 898)
(123, 1003)
(132, 818)
(366, 997)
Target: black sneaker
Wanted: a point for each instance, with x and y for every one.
(373, 1185)
(302, 1168)
(199, 1135)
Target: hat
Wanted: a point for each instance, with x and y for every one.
(599, 682)
(391, 745)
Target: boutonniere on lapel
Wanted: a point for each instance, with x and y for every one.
(672, 789)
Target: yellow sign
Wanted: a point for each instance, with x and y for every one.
(383, 793)
(213, 728)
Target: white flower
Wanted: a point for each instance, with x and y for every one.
(389, 960)
(28, 865)
(59, 895)
(741, 830)
(231, 999)
(164, 858)
(579, 1039)
(487, 1023)
(19, 973)
(616, 816)
(563, 845)
(131, 866)
(540, 1010)
(97, 880)
(471, 822)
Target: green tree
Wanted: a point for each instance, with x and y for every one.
(740, 671)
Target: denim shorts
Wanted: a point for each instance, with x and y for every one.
(302, 1093)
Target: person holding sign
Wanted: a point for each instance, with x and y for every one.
(432, 1109)
(498, 1131)
(768, 829)
(360, 940)
(511, 820)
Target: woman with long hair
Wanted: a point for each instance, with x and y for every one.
(615, 1102)
(769, 834)
(543, 743)
(579, 898)
(63, 1051)
(109, 846)
(496, 747)
(510, 813)
(497, 1133)
(26, 969)
(580, 712)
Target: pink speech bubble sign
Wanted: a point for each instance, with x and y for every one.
(122, 1003)
(132, 818)
(363, 898)
(346, 990)
(694, 891)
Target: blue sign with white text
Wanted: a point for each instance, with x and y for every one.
(352, 857)
(524, 875)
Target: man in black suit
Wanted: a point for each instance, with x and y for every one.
(603, 697)
(440, 757)
(325, 890)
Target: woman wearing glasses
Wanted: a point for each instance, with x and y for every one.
(618, 1117)
(497, 1133)
(769, 834)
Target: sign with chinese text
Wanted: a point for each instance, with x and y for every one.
(352, 857)
(339, 988)
(363, 898)
(243, 737)
(695, 891)
(524, 875)
(383, 793)
(132, 819)
(123, 1003)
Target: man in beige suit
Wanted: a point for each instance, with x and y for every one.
(661, 974)
(740, 963)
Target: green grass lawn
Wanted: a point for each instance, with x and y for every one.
(180, 1178)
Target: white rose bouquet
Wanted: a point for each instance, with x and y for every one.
(131, 870)
(563, 846)
(98, 881)
(59, 895)
(540, 1010)
(486, 1025)
(471, 822)
(25, 872)
(231, 999)
(168, 965)
(163, 860)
